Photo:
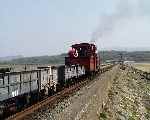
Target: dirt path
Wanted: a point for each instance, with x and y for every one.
(86, 104)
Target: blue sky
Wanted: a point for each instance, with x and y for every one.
(47, 27)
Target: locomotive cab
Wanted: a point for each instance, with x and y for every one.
(83, 54)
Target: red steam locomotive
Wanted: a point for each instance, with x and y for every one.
(84, 54)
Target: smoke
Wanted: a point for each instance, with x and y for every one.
(125, 10)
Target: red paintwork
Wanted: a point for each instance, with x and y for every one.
(86, 56)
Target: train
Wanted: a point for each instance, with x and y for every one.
(19, 90)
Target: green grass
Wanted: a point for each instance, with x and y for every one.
(102, 116)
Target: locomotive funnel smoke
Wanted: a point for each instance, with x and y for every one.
(106, 25)
(125, 10)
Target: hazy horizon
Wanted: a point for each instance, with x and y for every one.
(46, 27)
(108, 49)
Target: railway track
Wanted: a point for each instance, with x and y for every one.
(52, 99)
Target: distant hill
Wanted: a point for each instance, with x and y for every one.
(138, 56)
(8, 58)
(57, 59)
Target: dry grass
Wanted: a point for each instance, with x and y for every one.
(142, 66)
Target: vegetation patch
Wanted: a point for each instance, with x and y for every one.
(102, 116)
